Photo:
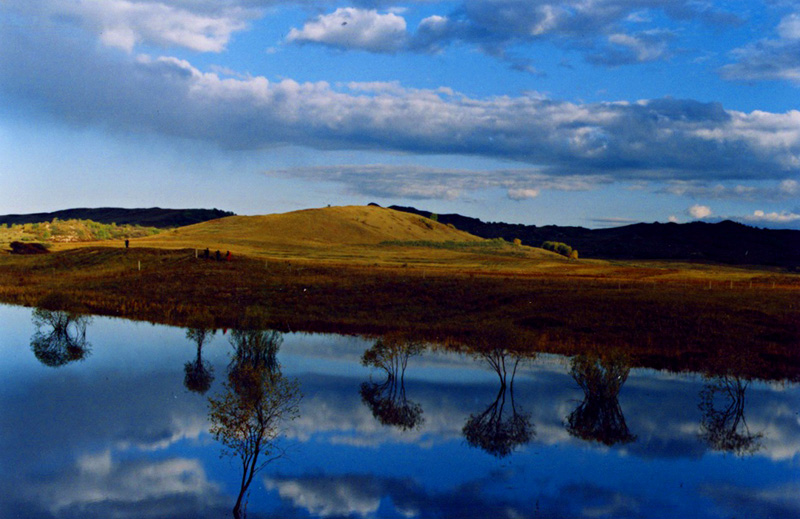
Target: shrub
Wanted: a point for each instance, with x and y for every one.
(517, 242)
(558, 247)
(27, 248)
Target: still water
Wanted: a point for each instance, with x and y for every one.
(114, 421)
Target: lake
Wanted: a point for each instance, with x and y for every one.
(103, 417)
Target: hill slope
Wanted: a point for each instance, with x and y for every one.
(150, 217)
(724, 242)
(350, 226)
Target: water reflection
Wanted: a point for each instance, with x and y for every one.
(119, 436)
(387, 400)
(60, 337)
(198, 374)
(499, 430)
(599, 416)
(257, 402)
(723, 425)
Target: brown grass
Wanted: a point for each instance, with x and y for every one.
(673, 318)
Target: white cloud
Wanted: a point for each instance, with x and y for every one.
(420, 182)
(790, 187)
(99, 480)
(352, 28)
(699, 211)
(773, 217)
(783, 190)
(329, 497)
(126, 23)
(522, 194)
(646, 140)
(769, 58)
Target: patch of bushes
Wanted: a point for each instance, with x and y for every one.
(560, 248)
(17, 247)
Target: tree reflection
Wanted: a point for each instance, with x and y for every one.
(723, 425)
(257, 403)
(499, 429)
(387, 400)
(198, 375)
(599, 417)
(60, 337)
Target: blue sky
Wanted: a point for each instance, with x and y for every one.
(583, 112)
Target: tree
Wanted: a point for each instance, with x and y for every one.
(248, 423)
(387, 400)
(198, 375)
(499, 430)
(64, 342)
(257, 403)
(723, 425)
(599, 416)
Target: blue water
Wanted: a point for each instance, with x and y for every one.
(118, 434)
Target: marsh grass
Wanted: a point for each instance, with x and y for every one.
(664, 316)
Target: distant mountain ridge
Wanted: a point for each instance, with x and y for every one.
(147, 217)
(724, 242)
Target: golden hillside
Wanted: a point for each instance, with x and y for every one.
(350, 225)
(355, 235)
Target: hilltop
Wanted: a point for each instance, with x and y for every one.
(149, 217)
(724, 242)
(355, 234)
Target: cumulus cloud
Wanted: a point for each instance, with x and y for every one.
(600, 29)
(522, 194)
(699, 211)
(198, 26)
(773, 217)
(352, 28)
(769, 58)
(77, 81)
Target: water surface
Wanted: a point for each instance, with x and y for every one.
(113, 421)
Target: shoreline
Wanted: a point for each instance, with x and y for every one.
(748, 325)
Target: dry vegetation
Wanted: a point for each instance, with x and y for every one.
(429, 283)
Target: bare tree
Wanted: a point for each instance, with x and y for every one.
(257, 404)
(499, 429)
(60, 337)
(723, 425)
(387, 400)
(599, 416)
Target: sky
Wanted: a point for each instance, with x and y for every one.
(593, 113)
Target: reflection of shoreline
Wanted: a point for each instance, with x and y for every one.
(140, 412)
